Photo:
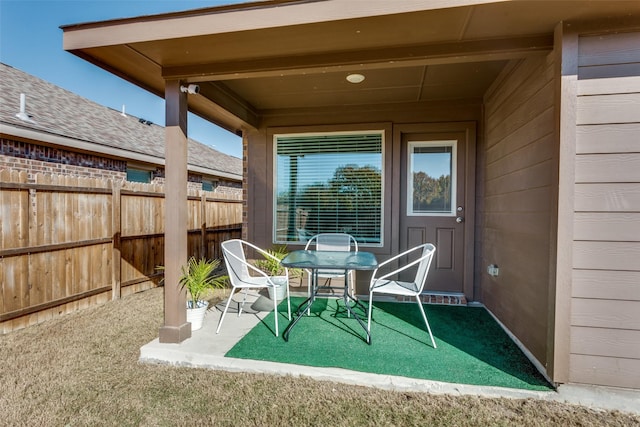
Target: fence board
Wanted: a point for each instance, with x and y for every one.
(58, 237)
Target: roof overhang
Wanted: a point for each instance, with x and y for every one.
(263, 57)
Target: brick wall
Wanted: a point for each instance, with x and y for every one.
(19, 155)
(34, 158)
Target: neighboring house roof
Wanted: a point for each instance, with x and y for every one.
(60, 117)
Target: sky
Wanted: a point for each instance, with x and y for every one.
(31, 41)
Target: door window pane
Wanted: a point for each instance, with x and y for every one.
(328, 183)
(431, 178)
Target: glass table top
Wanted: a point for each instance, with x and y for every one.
(331, 260)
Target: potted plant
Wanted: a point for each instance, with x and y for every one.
(198, 276)
(276, 271)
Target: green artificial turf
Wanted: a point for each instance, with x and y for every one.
(472, 347)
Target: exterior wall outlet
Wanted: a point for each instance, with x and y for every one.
(493, 270)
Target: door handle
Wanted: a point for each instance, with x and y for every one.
(459, 219)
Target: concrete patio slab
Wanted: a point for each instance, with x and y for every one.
(206, 349)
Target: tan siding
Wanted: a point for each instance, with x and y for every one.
(611, 226)
(615, 167)
(606, 284)
(607, 255)
(604, 197)
(605, 342)
(621, 138)
(611, 314)
(607, 371)
(614, 108)
(605, 318)
(519, 122)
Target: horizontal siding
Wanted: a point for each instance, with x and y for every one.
(517, 202)
(616, 167)
(609, 49)
(621, 138)
(609, 55)
(534, 222)
(606, 371)
(519, 138)
(617, 70)
(606, 284)
(518, 155)
(535, 175)
(616, 108)
(607, 255)
(612, 314)
(522, 83)
(601, 197)
(605, 304)
(605, 342)
(606, 226)
(629, 84)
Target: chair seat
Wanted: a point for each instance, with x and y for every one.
(258, 282)
(245, 275)
(331, 273)
(383, 285)
(394, 287)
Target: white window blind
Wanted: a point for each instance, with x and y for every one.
(328, 183)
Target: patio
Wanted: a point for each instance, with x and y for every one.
(206, 349)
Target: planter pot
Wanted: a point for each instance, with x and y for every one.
(280, 290)
(196, 315)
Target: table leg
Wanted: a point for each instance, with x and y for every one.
(347, 297)
(305, 306)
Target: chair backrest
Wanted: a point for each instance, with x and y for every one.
(234, 257)
(428, 250)
(333, 242)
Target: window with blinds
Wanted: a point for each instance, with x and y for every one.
(328, 183)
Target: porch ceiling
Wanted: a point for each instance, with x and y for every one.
(280, 55)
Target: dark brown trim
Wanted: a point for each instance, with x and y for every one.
(399, 56)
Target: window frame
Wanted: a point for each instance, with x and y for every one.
(274, 211)
(454, 173)
(139, 170)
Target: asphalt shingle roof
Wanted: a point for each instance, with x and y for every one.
(57, 111)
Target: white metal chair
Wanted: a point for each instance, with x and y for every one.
(238, 270)
(333, 242)
(385, 285)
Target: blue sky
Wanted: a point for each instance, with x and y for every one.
(31, 40)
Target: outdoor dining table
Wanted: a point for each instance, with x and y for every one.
(328, 260)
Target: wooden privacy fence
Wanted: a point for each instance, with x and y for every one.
(68, 242)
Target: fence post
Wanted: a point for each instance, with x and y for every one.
(203, 228)
(116, 227)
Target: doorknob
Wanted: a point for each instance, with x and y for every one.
(459, 219)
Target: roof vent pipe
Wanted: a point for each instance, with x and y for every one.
(123, 114)
(22, 115)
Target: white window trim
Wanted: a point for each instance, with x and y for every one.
(454, 173)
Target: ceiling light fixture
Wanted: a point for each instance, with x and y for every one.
(355, 78)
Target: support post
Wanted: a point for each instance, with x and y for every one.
(175, 328)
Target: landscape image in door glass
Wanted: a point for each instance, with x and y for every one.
(329, 183)
(432, 179)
